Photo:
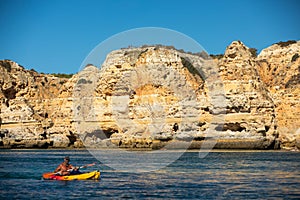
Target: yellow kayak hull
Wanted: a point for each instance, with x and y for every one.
(94, 175)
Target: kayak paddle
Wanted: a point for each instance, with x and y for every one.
(83, 166)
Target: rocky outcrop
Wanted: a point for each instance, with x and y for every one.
(144, 93)
(250, 109)
(155, 97)
(35, 108)
(279, 69)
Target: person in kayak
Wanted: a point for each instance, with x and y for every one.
(66, 168)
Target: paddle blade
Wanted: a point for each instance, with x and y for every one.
(89, 165)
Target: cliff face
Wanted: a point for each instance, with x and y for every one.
(150, 97)
(250, 109)
(279, 68)
(146, 97)
(35, 108)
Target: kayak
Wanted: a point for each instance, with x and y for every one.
(94, 175)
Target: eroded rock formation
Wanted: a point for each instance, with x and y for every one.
(154, 97)
(35, 108)
(279, 68)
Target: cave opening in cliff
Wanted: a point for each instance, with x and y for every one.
(72, 137)
(10, 93)
(101, 134)
(235, 127)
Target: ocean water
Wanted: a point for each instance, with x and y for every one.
(219, 175)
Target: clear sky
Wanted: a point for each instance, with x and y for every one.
(57, 35)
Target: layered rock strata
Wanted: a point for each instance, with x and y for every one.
(279, 69)
(157, 97)
(35, 109)
(143, 93)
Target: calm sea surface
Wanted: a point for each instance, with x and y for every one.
(219, 175)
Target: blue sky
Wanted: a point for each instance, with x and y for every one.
(57, 35)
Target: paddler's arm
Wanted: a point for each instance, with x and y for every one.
(57, 169)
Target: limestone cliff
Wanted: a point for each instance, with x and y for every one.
(279, 69)
(152, 96)
(250, 109)
(35, 110)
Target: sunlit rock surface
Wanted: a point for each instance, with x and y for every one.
(158, 97)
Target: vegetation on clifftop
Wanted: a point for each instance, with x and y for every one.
(59, 75)
(286, 43)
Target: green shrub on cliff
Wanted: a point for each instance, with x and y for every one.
(287, 43)
(59, 75)
(218, 56)
(253, 52)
